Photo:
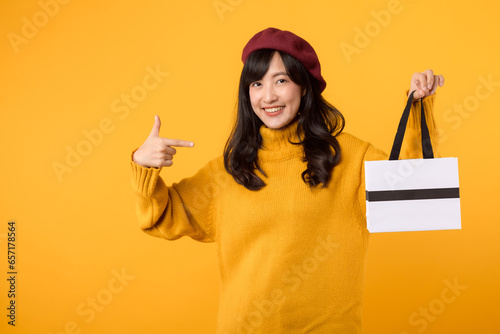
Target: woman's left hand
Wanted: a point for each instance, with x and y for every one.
(425, 84)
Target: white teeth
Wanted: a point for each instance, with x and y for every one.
(273, 109)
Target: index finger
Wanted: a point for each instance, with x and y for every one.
(178, 142)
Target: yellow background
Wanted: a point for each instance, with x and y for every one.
(78, 231)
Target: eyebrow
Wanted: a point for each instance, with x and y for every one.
(279, 73)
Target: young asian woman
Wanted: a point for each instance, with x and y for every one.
(285, 202)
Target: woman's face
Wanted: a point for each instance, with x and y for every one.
(275, 98)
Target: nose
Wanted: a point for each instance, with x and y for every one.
(270, 94)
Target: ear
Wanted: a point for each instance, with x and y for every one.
(304, 90)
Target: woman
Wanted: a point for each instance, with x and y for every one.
(285, 203)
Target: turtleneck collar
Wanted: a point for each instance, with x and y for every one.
(276, 144)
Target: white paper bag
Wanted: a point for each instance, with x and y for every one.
(413, 194)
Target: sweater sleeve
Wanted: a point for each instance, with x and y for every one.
(185, 208)
(412, 143)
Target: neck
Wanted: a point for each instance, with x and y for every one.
(276, 142)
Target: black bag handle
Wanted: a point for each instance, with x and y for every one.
(426, 139)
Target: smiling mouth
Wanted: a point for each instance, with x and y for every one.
(273, 110)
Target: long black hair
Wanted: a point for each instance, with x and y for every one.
(318, 125)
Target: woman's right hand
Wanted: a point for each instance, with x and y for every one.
(157, 151)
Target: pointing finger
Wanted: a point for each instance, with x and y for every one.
(178, 142)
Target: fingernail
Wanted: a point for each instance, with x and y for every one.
(191, 144)
(429, 86)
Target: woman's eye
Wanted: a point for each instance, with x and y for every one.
(281, 80)
(255, 84)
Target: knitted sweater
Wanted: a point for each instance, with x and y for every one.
(291, 259)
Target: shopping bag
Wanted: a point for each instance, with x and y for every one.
(413, 194)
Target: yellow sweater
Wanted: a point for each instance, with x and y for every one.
(291, 259)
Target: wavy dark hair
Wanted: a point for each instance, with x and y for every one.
(318, 125)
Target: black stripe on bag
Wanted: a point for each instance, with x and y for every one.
(411, 194)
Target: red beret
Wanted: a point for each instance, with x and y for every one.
(282, 40)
